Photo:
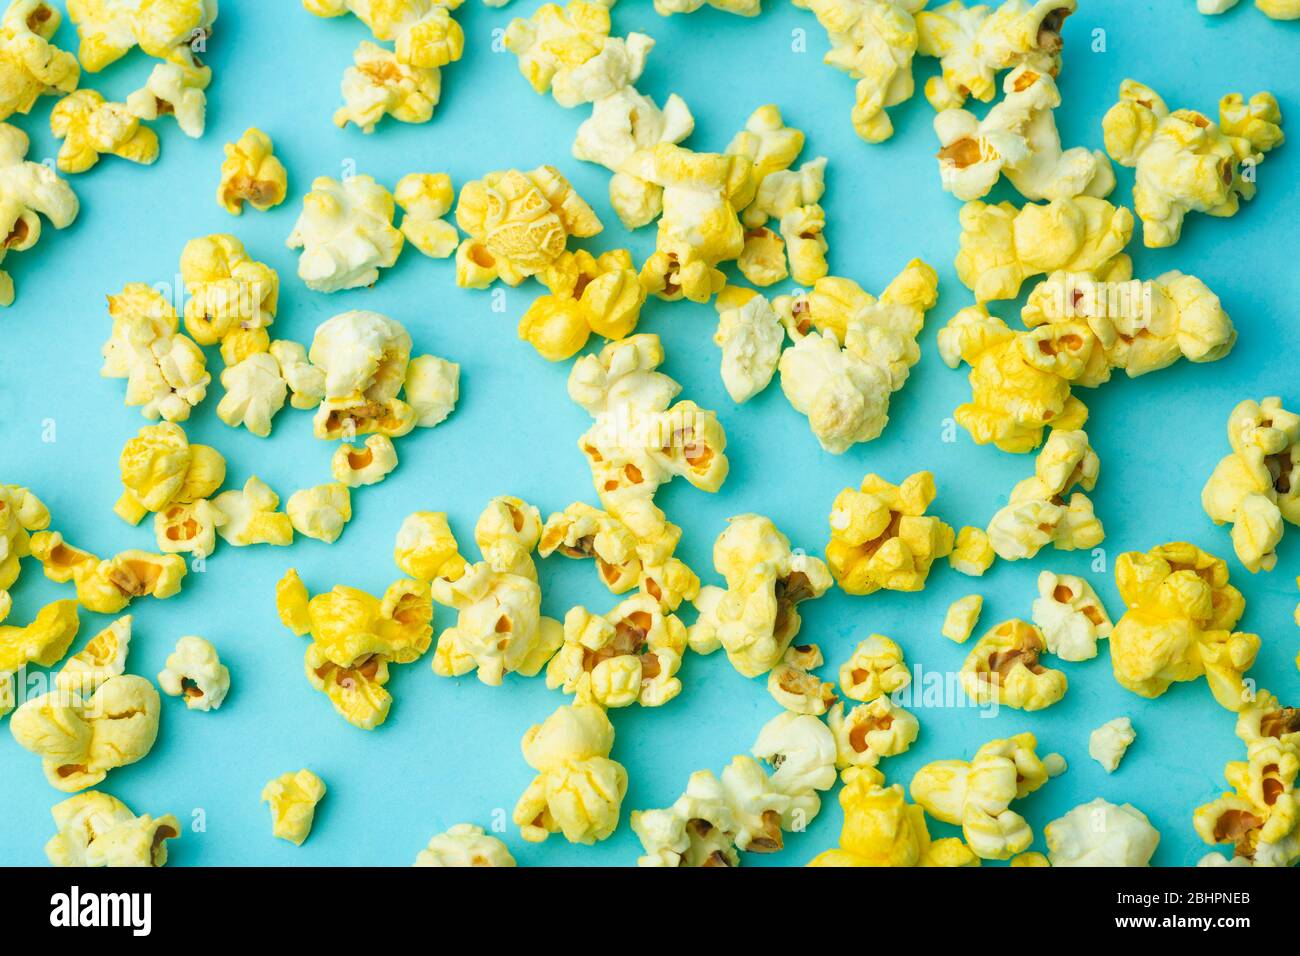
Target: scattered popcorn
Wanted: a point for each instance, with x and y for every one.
(963, 614)
(751, 337)
(90, 127)
(229, 291)
(30, 65)
(255, 392)
(80, 741)
(367, 465)
(1178, 626)
(21, 513)
(464, 845)
(251, 517)
(109, 29)
(346, 234)
(1183, 161)
(378, 84)
(97, 829)
(1070, 616)
(1108, 743)
(424, 33)
(108, 586)
(293, 798)
(1038, 512)
(875, 669)
(578, 790)
(796, 689)
(251, 173)
(1003, 667)
(626, 122)
(507, 533)
(871, 731)
(426, 549)
(432, 388)
(1102, 834)
(587, 294)
(424, 199)
(160, 467)
(103, 657)
(172, 90)
(195, 672)
(321, 511)
(44, 641)
(166, 372)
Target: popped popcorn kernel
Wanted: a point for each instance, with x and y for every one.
(229, 290)
(366, 465)
(624, 123)
(1070, 615)
(251, 516)
(1004, 667)
(97, 829)
(962, 616)
(159, 467)
(794, 687)
(251, 173)
(293, 798)
(165, 371)
(587, 294)
(464, 845)
(195, 672)
(103, 657)
(972, 554)
(1039, 512)
(109, 29)
(426, 549)
(346, 234)
(871, 731)
(172, 90)
(1100, 833)
(379, 84)
(109, 585)
(91, 127)
(320, 512)
(751, 337)
(44, 641)
(30, 65)
(425, 198)
(875, 669)
(1109, 742)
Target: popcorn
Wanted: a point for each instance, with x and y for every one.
(426, 549)
(425, 34)
(974, 44)
(44, 641)
(796, 689)
(166, 372)
(464, 845)
(1184, 161)
(751, 338)
(21, 513)
(871, 731)
(251, 173)
(109, 29)
(874, 42)
(90, 127)
(195, 672)
(977, 795)
(160, 467)
(251, 517)
(80, 741)
(625, 122)
(107, 586)
(629, 655)
(1018, 138)
(881, 536)
(30, 65)
(1038, 512)
(1001, 246)
(507, 533)
(103, 657)
(1100, 833)
(1256, 487)
(306, 382)
(518, 224)
(425, 198)
(1277, 9)
(354, 638)
(1003, 667)
(321, 511)
(578, 790)
(378, 84)
(587, 294)
(1070, 616)
(229, 290)
(874, 670)
(755, 618)
(255, 392)
(744, 8)
(172, 90)
(1178, 626)
(97, 829)
(190, 527)
(362, 354)
(293, 798)
(842, 379)
(346, 234)
(367, 465)
(1108, 743)
(569, 52)
(963, 614)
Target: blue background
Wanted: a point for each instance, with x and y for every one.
(450, 749)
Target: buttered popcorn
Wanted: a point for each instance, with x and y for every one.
(1257, 487)
(1070, 616)
(293, 798)
(871, 731)
(1178, 626)
(368, 464)
(1004, 667)
(229, 290)
(426, 548)
(378, 84)
(425, 198)
(91, 127)
(1100, 833)
(976, 795)
(1039, 512)
(754, 619)
(744, 8)
(97, 829)
(346, 234)
(159, 467)
(794, 687)
(751, 337)
(961, 617)
(251, 173)
(600, 294)
(109, 29)
(21, 513)
(31, 66)
(321, 511)
(165, 371)
(195, 672)
(1109, 742)
(1185, 162)
(80, 741)
(578, 790)
(103, 657)
(109, 585)
(464, 845)
(174, 91)
(251, 516)
(28, 191)
(1276, 9)
(44, 641)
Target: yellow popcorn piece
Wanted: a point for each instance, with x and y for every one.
(97, 829)
(507, 533)
(1004, 667)
(1184, 162)
(974, 44)
(80, 741)
(431, 388)
(578, 790)
(881, 536)
(1109, 742)
(195, 672)
(378, 84)
(251, 517)
(362, 354)
(976, 795)
(189, 527)
(971, 552)
(293, 798)
(166, 372)
(109, 29)
(1276, 9)
(91, 127)
(107, 586)
(291, 603)
(871, 731)
(629, 655)
(251, 173)
(306, 382)
(1070, 616)
(346, 234)
(320, 512)
(464, 845)
(873, 41)
(755, 618)
(518, 224)
(160, 467)
(568, 51)
(104, 657)
(1030, 858)
(1100, 833)
(587, 294)
(423, 31)
(875, 669)
(794, 687)
(962, 616)
(21, 513)
(1255, 488)
(229, 290)
(751, 337)
(744, 8)
(426, 549)
(1039, 512)
(1002, 246)
(366, 465)
(44, 641)
(624, 123)
(1178, 626)
(425, 198)
(30, 65)
(172, 90)
(1018, 138)
(255, 392)
(842, 378)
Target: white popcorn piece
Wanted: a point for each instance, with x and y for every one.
(1102, 834)
(1109, 742)
(195, 672)
(1070, 615)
